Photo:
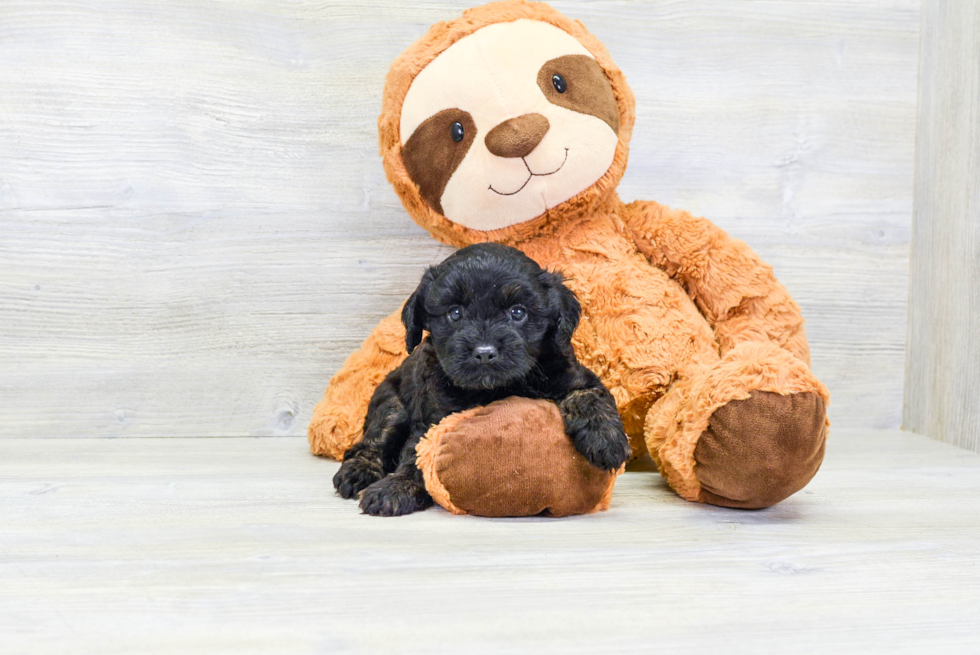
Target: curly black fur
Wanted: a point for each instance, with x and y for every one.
(498, 326)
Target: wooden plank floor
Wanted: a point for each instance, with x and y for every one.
(239, 545)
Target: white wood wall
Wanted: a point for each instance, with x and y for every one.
(942, 397)
(195, 228)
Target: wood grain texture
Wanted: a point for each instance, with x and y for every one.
(942, 397)
(239, 545)
(195, 228)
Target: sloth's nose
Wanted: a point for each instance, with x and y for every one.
(517, 137)
(485, 354)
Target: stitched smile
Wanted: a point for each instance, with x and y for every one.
(530, 175)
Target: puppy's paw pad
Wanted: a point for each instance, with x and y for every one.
(355, 475)
(393, 497)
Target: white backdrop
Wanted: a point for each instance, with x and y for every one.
(195, 228)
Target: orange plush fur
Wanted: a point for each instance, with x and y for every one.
(678, 318)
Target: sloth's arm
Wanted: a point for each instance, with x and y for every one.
(734, 289)
(338, 419)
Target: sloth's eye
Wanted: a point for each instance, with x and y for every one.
(559, 82)
(455, 313)
(456, 131)
(518, 313)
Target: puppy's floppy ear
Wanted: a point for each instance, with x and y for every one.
(414, 316)
(564, 307)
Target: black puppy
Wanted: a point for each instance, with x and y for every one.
(498, 326)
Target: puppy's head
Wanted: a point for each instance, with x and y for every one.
(491, 313)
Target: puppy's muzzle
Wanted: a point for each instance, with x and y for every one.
(485, 354)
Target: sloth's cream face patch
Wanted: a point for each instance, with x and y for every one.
(506, 123)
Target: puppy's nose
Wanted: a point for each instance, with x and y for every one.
(517, 137)
(485, 354)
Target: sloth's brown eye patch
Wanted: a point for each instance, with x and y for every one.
(435, 150)
(577, 82)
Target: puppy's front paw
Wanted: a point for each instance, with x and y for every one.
(605, 447)
(593, 423)
(355, 475)
(395, 496)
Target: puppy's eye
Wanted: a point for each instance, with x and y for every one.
(518, 313)
(559, 82)
(456, 131)
(454, 314)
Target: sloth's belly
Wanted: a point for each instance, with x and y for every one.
(638, 327)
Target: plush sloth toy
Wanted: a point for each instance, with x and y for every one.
(511, 124)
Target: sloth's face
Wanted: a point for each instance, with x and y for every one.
(506, 123)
